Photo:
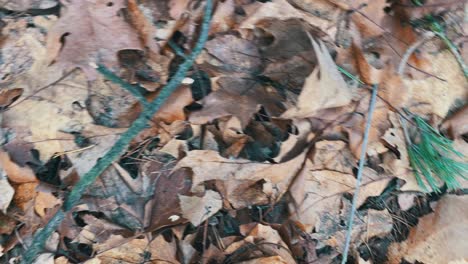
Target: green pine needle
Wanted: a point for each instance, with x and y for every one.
(432, 159)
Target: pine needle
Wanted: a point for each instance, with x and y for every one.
(433, 158)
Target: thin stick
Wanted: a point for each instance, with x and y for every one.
(359, 174)
(120, 146)
(133, 89)
(43, 88)
(404, 60)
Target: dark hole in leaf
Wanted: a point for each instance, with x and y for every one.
(77, 106)
(262, 115)
(63, 37)
(193, 107)
(109, 4)
(201, 86)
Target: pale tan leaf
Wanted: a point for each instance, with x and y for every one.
(240, 176)
(100, 22)
(6, 191)
(198, 209)
(327, 91)
(45, 201)
(439, 237)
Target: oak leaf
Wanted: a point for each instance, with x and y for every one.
(90, 31)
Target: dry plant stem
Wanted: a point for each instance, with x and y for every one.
(43, 88)
(120, 146)
(359, 173)
(404, 60)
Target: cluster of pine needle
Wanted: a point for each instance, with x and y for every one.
(433, 158)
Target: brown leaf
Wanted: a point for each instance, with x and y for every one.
(177, 8)
(435, 96)
(144, 27)
(99, 21)
(25, 194)
(7, 97)
(224, 104)
(457, 124)
(45, 201)
(173, 109)
(280, 9)
(233, 54)
(198, 209)
(16, 173)
(327, 91)
(271, 243)
(245, 182)
(223, 17)
(399, 165)
(7, 225)
(24, 5)
(439, 237)
(135, 251)
(6, 190)
(317, 193)
(164, 208)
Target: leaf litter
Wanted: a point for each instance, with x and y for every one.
(253, 159)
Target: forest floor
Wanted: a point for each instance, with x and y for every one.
(233, 131)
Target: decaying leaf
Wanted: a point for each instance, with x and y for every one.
(280, 9)
(14, 172)
(327, 91)
(198, 209)
(45, 201)
(317, 193)
(6, 190)
(439, 236)
(266, 238)
(136, 250)
(224, 104)
(245, 182)
(99, 21)
(457, 124)
(7, 97)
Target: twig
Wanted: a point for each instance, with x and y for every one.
(121, 145)
(359, 173)
(133, 89)
(404, 60)
(43, 88)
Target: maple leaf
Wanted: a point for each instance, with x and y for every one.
(90, 31)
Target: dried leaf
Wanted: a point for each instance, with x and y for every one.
(233, 54)
(327, 91)
(457, 124)
(6, 190)
(224, 104)
(439, 237)
(223, 17)
(7, 97)
(198, 209)
(7, 225)
(280, 9)
(45, 201)
(24, 5)
(99, 21)
(317, 193)
(135, 251)
(14, 172)
(245, 182)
